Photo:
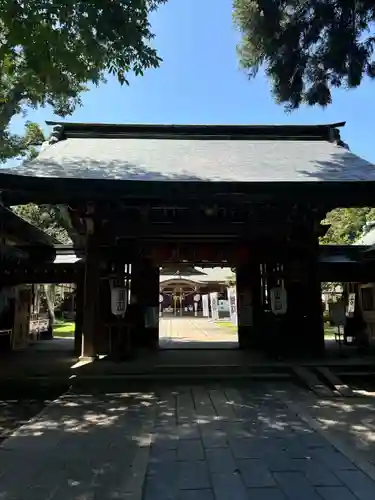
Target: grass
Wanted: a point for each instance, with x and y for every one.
(64, 329)
(331, 331)
(227, 324)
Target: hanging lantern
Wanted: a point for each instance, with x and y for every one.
(118, 298)
(279, 302)
(118, 301)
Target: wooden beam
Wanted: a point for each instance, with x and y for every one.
(18, 189)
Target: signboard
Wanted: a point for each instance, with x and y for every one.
(351, 304)
(214, 306)
(279, 302)
(223, 307)
(195, 253)
(232, 299)
(337, 313)
(197, 297)
(205, 306)
(118, 301)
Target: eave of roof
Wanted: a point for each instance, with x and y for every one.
(280, 162)
(219, 154)
(64, 130)
(22, 230)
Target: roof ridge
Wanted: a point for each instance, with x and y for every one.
(63, 130)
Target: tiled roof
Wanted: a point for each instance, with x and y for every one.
(241, 154)
(368, 236)
(367, 239)
(211, 275)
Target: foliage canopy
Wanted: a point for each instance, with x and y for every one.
(307, 47)
(346, 225)
(48, 218)
(51, 49)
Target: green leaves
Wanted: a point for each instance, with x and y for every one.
(25, 146)
(346, 225)
(47, 218)
(307, 47)
(51, 49)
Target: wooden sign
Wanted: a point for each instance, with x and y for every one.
(162, 254)
(337, 313)
(351, 304)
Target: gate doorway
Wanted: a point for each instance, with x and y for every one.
(194, 308)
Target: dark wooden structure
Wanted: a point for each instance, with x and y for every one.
(249, 197)
(21, 245)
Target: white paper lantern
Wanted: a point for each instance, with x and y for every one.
(279, 301)
(118, 301)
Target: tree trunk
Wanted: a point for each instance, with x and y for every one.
(50, 297)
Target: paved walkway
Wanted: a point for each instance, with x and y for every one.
(210, 442)
(350, 421)
(195, 333)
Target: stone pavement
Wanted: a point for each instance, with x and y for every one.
(348, 420)
(190, 333)
(212, 442)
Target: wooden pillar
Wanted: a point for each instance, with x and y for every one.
(79, 314)
(315, 309)
(145, 285)
(304, 327)
(248, 306)
(90, 299)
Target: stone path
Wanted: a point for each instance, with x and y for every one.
(209, 442)
(348, 420)
(190, 333)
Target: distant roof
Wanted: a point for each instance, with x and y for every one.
(368, 235)
(367, 239)
(206, 275)
(180, 270)
(216, 153)
(66, 259)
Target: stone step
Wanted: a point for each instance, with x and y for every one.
(334, 381)
(309, 379)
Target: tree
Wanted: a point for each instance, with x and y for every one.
(22, 146)
(307, 47)
(346, 225)
(48, 218)
(51, 49)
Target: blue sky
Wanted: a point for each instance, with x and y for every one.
(199, 81)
